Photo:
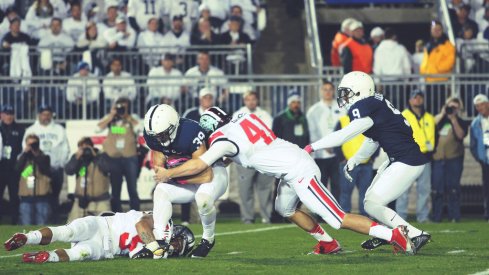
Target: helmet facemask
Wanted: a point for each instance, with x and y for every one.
(167, 136)
(346, 97)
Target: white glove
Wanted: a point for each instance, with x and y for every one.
(350, 165)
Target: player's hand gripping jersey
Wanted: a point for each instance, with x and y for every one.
(390, 129)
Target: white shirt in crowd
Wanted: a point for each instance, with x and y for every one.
(74, 88)
(391, 58)
(218, 8)
(259, 112)
(112, 35)
(59, 44)
(171, 40)
(5, 4)
(188, 9)
(74, 28)
(150, 39)
(196, 84)
(322, 119)
(416, 59)
(52, 141)
(160, 87)
(119, 86)
(143, 10)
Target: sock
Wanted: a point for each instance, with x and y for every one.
(380, 231)
(390, 218)
(34, 237)
(162, 211)
(319, 234)
(209, 224)
(53, 257)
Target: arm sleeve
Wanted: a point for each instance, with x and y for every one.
(218, 150)
(346, 60)
(43, 164)
(337, 138)
(368, 148)
(72, 166)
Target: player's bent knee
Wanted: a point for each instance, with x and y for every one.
(372, 207)
(80, 252)
(282, 210)
(204, 202)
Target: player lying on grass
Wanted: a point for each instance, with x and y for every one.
(250, 143)
(383, 125)
(101, 237)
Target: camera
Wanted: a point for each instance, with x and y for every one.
(87, 154)
(449, 110)
(35, 146)
(120, 109)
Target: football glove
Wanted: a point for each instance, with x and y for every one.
(308, 149)
(350, 165)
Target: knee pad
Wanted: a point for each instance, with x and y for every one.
(205, 203)
(282, 209)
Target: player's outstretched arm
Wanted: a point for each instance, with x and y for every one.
(339, 137)
(368, 148)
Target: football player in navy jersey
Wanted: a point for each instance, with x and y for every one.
(174, 140)
(383, 125)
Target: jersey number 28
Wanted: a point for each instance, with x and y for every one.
(255, 130)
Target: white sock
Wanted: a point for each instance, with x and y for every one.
(162, 211)
(209, 224)
(34, 237)
(53, 257)
(319, 234)
(380, 231)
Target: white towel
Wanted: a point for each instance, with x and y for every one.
(19, 63)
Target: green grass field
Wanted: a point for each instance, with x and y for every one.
(460, 248)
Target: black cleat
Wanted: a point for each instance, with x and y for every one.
(373, 243)
(202, 249)
(421, 240)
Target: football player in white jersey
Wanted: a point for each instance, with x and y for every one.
(249, 142)
(383, 125)
(101, 237)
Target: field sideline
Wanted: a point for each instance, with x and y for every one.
(460, 248)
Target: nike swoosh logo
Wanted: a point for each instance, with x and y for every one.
(301, 180)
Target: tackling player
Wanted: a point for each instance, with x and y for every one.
(376, 118)
(100, 237)
(250, 143)
(168, 136)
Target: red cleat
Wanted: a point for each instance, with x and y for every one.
(36, 257)
(401, 241)
(323, 247)
(16, 241)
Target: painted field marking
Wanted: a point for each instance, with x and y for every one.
(456, 251)
(485, 272)
(253, 230)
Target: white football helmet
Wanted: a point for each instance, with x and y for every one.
(353, 87)
(161, 121)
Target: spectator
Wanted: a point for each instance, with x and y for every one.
(205, 13)
(340, 37)
(140, 11)
(204, 34)
(164, 84)
(75, 25)
(109, 22)
(38, 18)
(439, 54)
(16, 42)
(249, 10)
(34, 184)
(482, 18)
(91, 39)
(203, 70)
(53, 142)
(83, 84)
(120, 38)
(121, 146)
(322, 118)
(246, 26)
(119, 83)
(177, 37)
(249, 179)
(361, 175)
(185, 10)
(462, 19)
(11, 136)
(423, 126)
(149, 41)
(448, 160)
(356, 53)
(391, 58)
(59, 43)
(207, 99)
(235, 35)
(291, 124)
(479, 144)
(92, 183)
(467, 38)
(10, 14)
(15, 35)
(417, 56)
(376, 37)
(218, 11)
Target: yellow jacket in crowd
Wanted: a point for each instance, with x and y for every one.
(438, 59)
(423, 129)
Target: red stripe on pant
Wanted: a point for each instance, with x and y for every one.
(326, 199)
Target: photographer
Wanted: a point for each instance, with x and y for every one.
(34, 184)
(448, 159)
(92, 183)
(121, 146)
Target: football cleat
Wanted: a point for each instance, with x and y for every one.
(16, 241)
(323, 247)
(421, 240)
(373, 243)
(36, 257)
(202, 249)
(401, 241)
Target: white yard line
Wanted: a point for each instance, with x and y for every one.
(456, 251)
(10, 256)
(253, 230)
(485, 272)
(448, 231)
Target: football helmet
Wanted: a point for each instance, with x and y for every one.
(213, 118)
(182, 241)
(161, 121)
(354, 86)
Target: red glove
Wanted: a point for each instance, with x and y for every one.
(308, 149)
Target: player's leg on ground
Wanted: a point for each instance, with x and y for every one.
(437, 189)
(388, 186)
(454, 174)
(246, 195)
(91, 249)
(423, 188)
(264, 186)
